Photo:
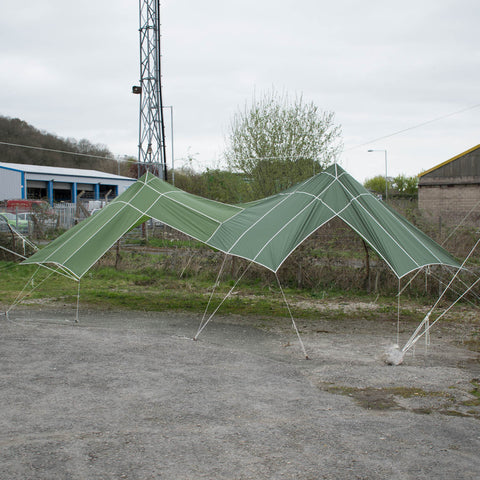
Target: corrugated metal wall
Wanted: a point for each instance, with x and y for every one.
(467, 166)
(10, 184)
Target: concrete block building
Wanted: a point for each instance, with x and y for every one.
(55, 184)
(451, 190)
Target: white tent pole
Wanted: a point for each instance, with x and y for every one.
(414, 337)
(398, 310)
(291, 316)
(429, 325)
(78, 301)
(213, 290)
(12, 252)
(221, 303)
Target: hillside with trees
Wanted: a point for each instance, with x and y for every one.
(19, 132)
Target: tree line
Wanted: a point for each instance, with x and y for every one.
(19, 132)
(399, 186)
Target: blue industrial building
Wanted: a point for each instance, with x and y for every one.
(55, 184)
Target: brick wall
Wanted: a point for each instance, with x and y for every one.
(450, 203)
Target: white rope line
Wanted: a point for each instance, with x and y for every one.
(456, 274)
(60, 270)
(411, 280)
(429, 325)
(215, 285)
(20, 298)
(221, 303)
(291, 316)
(461, 222)
(465, 285)
(443, 284)
(186, 265)
(412, 339)
(21, 291)
(429, 272)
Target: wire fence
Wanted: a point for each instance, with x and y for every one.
(38, 222)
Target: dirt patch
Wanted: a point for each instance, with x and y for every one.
(130, 395)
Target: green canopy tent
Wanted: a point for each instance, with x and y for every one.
(266, 231)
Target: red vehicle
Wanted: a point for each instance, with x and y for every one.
(25, 206)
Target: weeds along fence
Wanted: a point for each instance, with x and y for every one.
(333, 259)
(40, 223)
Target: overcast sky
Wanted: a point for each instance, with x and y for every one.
(380, 66)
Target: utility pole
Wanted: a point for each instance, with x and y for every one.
(151, 138)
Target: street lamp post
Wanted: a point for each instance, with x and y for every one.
(171, 130)
(386, 176)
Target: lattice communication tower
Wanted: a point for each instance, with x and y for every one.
(151, 143)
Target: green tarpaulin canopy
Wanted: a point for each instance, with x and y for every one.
(265, 231)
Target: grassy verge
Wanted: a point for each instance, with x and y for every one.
(154, 289)
(153, 283)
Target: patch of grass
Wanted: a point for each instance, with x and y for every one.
(476, 388)
(382, 398)
(475, 402)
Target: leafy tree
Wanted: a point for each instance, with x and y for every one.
(400, 185)
(226, 186)
(276, 143)
(220, 185)
(405, 185)
(376, 185)
(186, 178)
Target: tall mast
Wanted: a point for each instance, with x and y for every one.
(151, 138)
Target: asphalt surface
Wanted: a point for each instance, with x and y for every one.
(131, 396)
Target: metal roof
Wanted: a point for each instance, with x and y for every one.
(76, 172)
(446, 162)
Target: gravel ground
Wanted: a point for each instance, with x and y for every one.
(129, 395)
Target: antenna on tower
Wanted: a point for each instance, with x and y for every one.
(151, 137)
